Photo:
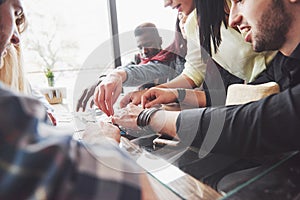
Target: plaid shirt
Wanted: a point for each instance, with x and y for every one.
(35, 167)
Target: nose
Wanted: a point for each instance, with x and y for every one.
(15, 38)
(167, 3)
(235, 18)
(145, 50)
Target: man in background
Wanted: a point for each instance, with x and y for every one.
(152, 66)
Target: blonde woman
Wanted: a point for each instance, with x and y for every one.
(11, 70)
(11, 67)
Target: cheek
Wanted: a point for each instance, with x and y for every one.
(189, 5)
(6, 31)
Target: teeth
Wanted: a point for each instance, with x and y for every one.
(247, 35)
(245, 30)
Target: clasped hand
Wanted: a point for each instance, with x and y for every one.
(127, 117)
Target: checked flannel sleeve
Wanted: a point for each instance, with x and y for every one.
(35, 167)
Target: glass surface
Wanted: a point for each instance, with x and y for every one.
(278, 178)
(236, 175)
(75, 31)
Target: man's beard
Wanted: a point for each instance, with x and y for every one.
(272, 28)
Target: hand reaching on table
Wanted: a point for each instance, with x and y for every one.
(155, 96)
(127, 117)
(85, 97)
(107, 92)
(132, 97)
(95, 132)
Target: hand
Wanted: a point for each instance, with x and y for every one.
(155, 96)
(85, 97)
(94, 132)
(107, 92)
(127, 117)
(132, 97)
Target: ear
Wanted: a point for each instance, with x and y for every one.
(160, 41)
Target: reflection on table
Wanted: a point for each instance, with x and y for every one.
(182, 184)
(177, 177)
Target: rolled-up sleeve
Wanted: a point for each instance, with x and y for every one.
(140, 74)
(194, 67)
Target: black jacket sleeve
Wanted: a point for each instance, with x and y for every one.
(268, 126)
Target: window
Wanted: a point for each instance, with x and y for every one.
(60, 35)
(66, 35)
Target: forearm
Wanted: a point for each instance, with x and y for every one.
(121, 73)
(141, 74)
(164, 122)
(182, 81)
(245, 130)
(195, 98)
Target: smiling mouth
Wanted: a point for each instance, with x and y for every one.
(246, 31)
(248, 35)
(244, 28)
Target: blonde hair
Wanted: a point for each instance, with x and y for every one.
(12, 73)
(11, 69)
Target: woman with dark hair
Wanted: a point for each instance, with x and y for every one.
(210, 23)
(269, 126)
(216, 53)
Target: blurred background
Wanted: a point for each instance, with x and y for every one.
(61, 34)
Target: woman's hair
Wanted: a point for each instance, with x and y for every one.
(178, 47)
(211, 15)
(12, 72)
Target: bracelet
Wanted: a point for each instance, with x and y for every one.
(143, 119)
(181, 95)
